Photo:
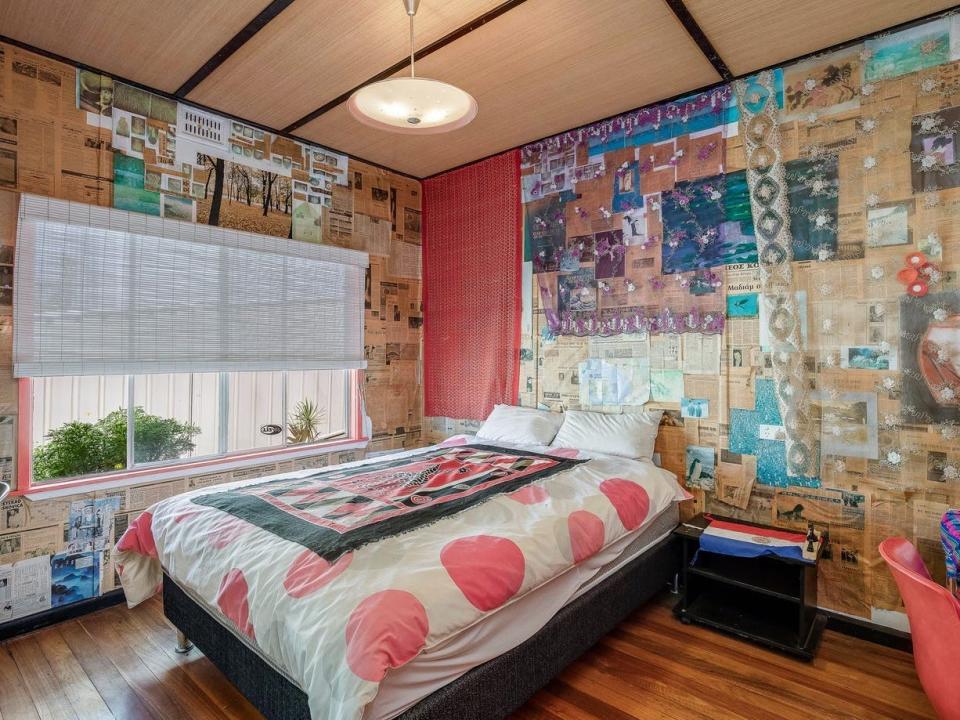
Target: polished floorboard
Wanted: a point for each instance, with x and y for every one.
(120, 663)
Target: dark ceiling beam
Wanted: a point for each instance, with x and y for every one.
(398, 66)
(700, 38)
(233, 44)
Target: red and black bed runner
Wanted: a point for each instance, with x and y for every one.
(341, 509)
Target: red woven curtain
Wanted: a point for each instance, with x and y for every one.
(472, 254)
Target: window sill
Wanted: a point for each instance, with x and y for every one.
(49, 491)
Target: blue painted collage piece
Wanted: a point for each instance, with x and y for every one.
(745, 432)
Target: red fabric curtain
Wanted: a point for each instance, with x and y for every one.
(472, 255)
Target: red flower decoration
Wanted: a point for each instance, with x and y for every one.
(907, 275)
(916, 274)
(918, 288)
(917, 260)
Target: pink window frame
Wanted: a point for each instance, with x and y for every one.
(25, 447)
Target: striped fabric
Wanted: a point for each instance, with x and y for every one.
(731, 538)
(950, 537)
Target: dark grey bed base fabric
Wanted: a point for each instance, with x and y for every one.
(488, 692)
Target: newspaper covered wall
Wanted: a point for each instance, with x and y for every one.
(636, 221)
(78, 135)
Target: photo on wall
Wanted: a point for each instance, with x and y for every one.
(701, 467)
(889, 225)
(577, 291)
(544, 233)
(930, 355)
(848, 423)
(707, 223)
(933, 150)
(74, 577)
(696, 408)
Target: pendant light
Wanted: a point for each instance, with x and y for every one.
(413, 105)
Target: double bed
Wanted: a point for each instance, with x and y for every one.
(449, 581)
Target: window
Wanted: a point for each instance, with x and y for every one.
(81, 424)
(148, 342)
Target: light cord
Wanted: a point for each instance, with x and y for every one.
(413, 73)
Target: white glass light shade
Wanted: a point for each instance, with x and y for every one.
(413, 105)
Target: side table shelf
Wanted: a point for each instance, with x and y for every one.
(768, 600)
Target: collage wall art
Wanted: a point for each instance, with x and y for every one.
(73, 134)
(787, 245)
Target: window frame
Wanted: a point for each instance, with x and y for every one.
(164, 471)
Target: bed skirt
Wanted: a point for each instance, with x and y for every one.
(488, 692)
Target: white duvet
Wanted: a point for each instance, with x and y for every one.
(337, 627)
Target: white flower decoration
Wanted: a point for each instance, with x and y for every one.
(872, 200)
(928, 162)
(891, 420)
(869, 162)
(948, 394)
(827, 324)
(822, 219)
(868, 125)
(928, 124)
(888, 383)
(840, 466)
(950, 472)
(868, 89)
(928, 84)
(830, 360)
(715, 195)
(934, 277)
(894, 458)
(939, 314)
(876, 272)
(809, 84)
(819, 186)
(885, 347)
(824, 254)
(826, 289)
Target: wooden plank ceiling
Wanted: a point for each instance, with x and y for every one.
(535, 66)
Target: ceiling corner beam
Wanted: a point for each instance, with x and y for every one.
(700, 38)
(398, 66)
(233, 44)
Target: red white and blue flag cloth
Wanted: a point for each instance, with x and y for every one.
(731, 538)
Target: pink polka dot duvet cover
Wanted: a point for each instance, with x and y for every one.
(339, 575)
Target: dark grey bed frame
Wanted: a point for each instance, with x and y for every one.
(488, 692)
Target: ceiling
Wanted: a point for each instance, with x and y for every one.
(536, 67)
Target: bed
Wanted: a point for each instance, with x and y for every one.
(454, 580)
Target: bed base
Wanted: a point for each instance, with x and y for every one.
(488, 692)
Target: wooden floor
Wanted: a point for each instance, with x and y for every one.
(120, 663)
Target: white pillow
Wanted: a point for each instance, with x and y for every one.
(629, 435)
(527, 426)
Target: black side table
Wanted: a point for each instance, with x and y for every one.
(769, 600)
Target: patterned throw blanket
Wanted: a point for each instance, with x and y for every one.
(336, 511)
